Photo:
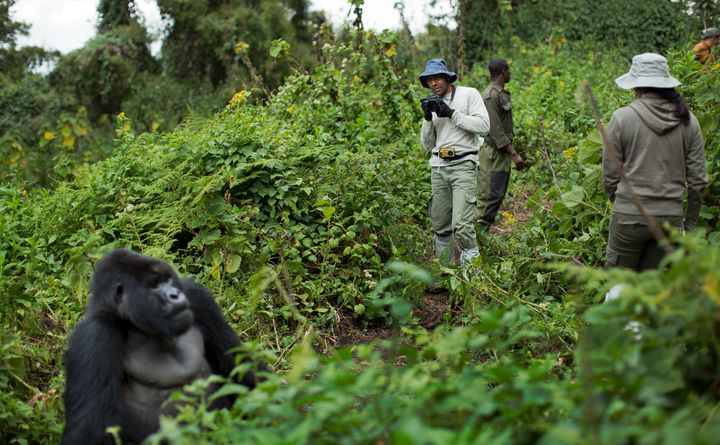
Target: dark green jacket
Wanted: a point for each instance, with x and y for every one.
(662, 158)
(499, 106)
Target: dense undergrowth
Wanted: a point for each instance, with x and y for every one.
(313, 206)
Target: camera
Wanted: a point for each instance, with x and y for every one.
(432, 102)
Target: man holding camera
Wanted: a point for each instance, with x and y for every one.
(497, 154)
(455, 122)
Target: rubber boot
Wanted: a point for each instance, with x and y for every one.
(468, 255)
(443, 249)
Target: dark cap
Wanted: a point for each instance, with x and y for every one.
(710, 32)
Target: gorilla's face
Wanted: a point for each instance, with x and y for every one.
(159, 309)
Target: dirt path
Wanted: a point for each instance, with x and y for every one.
(429, 312)
(349, 331)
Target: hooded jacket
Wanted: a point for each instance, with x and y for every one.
(662, 157)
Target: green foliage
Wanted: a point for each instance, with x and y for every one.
(632, 27)
(231, 195)
(700, 89)
(202, 36)
(312, 205)
(21, 422)
(494, 380)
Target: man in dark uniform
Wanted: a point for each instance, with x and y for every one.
(497, 152)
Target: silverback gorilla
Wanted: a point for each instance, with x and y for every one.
(146, 333)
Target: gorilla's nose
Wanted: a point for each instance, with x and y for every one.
(173, 297)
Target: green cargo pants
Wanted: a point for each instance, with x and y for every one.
(632, 245)
(493, 180)
(452, 209)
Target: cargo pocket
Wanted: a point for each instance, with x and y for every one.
(611, 259)
(470, 207)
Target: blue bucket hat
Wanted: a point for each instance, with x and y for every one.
(433, 67)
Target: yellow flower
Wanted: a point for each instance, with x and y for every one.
(291, 108)
(69, 142)
(391, 51)
(154, 126)
(570, 152)
(126, 127)
(49, 135)
(239, 97)
(536, 69)
(508, 218)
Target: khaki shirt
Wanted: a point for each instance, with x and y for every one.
(703, 53)
(499, 106)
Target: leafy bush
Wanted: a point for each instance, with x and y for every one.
(645, 371)
(291, 212)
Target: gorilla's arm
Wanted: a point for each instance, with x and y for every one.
(94, 371)
(219, 337)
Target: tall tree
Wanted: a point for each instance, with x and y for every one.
(106, 71)
(640, 25)
(14, 61)
(707, 11)
(9, 30)
(112, 13)
(202, 36)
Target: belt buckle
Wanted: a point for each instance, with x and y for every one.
(446, 152)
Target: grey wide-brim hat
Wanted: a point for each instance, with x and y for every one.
(433, 67)
(710, 32)
(647, 70)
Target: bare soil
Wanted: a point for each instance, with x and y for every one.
(350, 331)
(433, 305)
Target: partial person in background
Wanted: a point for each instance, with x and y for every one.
(658, 142)
(497, 153)
(703, 50)
(455, 121)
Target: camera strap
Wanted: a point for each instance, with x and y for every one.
(452, 95)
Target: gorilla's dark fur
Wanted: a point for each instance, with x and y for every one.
(146, 333)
